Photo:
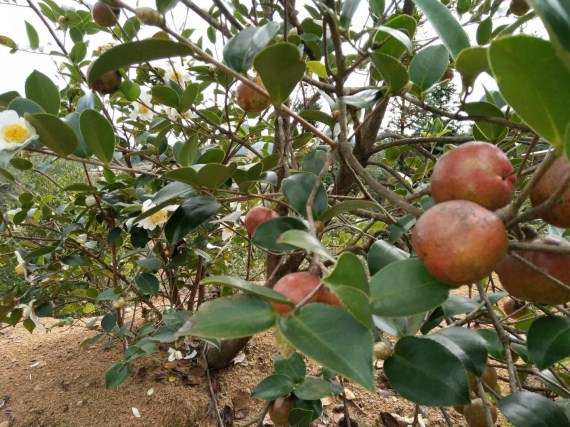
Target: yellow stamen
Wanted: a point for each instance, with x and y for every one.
(20, 269)
(143, 109)
(158, 217)
(15, 133)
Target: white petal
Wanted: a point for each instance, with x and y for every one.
(136, 412)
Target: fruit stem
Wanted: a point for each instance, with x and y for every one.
(513, 378)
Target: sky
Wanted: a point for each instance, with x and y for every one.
(15, 68)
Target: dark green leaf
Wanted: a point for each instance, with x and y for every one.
(313, 388)
(210, 176)
(314, 161)
(23, 106)
(239, 52)
(148, 283)
(398, 36)
(382, 253)
(293, 366)
(301, 417)
(297, 189)
(405, 288)
(347, 206)
(129, 53)
(273, 387)
(445, 25)
(189, 215)
(356, 302)
(247, 287)
(494, 345)
(305, 240)
(82, 150)
(532, 410)
(165, 95)
(392, 71)
(266, 235)
(484, 31)
(531, 83)
(427, 373)
(234, 317)
(348, 271)
(54, 133)
(428, 66)
(173, 191)
(492, 132)
(347, 13)
(280, 68)
(98, 134)
(466, 345)
(164, 6)
(548, 340)
(40, 89)
(377, 7)
(116, 375)
(334, 339)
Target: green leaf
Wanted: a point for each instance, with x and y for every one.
(445, 25)
(297, 189)
(266, 235)
(7, 97)
(41, 90)
(188, 96)
(33, 36)
(301, 417)
(293, 366)
(428, 66)
(211, 175)
(390, 46)
(78, 52)
(405, 288)
(165, 95)
(392, 71)
(98, 134)
(356, 302)
(548, 340)
(466, 345)
(305, 240)
(23, 106)
(247, 287)
(555, 14)
(273, 387)
(532, 410)
(173, 191)
(347, 206)
(334, 339)
(116, 375)
(148, 283)
(8, 42)
(73, 121)
(189, 216)
(54, 133)
(364, 99)
(471, 62)
(531, 83)
(131, 90)
(129, 53)
(233, 317)
(492, 132)
(427, 373)
(317, 116)
(280, 68)
(314, 161)
(382, 253)
(398, 36)
(494, 345)
(313, 388)
(109, 321)
(164, 6)
(239, 52)
(377, 7)
(318, 68)
(347, 13)
(484, 31)
(348, 271)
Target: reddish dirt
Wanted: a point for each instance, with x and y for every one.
(50, 381)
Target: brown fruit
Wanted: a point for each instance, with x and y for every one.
(256, 216)
(511, 305)
(296, 286)
(448, 75)
(280, 410)
(104, 15)
(475, 413)
(476, 171)
(459, 241)
(519, 7)
(529, 285)
(107, 83)
(559, 215)
(250, 100)
(489, 377)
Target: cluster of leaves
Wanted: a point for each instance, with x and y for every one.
(108, 241)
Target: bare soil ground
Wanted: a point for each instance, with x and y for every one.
(47, 380)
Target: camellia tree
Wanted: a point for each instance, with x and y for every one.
(354, 232)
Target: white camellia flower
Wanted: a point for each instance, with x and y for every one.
(174, 354)
(177, 75)
(15, 131)
(154, 220)
(174, 115)
(21, 267)
(28, 313)
(142, 107)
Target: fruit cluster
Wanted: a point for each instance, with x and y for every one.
(461, 241)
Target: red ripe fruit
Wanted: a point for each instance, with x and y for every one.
(527, 284)
(256, 216)
(459, 241)
(559, 215)
(296, 286)
(475, 171)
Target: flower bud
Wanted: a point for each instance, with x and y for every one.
(149, 16)
(90, 201)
